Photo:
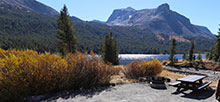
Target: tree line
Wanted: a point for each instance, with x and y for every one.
(186, 56)
(213, 54)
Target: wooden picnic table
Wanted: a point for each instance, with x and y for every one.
(190, 82)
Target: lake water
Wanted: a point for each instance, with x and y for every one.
(127, 58)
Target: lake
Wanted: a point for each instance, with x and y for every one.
(127, 58)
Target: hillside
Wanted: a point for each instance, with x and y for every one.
(29, 29)
(23, 29)
(29, 5)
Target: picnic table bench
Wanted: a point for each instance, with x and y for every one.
(193, 82)
(204, 85)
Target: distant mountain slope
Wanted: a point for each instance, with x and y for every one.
(23, 29)
(135, 40)
(159, 20)
(26, 29)
(202, 28)
(32, 5)
(98, 21)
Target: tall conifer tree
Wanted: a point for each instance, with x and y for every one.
(199, 57)
(65, 30)
(184, 57)
(110, 50)
(191, 52)
(172, 51)
(214, 53)
(217, 48)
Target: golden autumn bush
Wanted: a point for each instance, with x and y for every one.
(87, 71)
(137, 69)
(26, 73)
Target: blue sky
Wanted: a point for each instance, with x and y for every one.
(200, 12)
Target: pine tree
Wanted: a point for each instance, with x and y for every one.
(199, 57)
(214, 53)
(65, 30)
(172, 51)
(211, 54)
(184, 57)
(110, 50)
(191, 52)
(218, 62)
(101, 49)
(217, 48)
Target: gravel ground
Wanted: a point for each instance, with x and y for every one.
(139, 92)
(212, 75)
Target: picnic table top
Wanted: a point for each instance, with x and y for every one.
(191, 78)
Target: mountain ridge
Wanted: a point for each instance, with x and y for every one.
(31, 5)
(160, 20)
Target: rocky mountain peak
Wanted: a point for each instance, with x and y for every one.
(129, 9)
(160, 20)
(164, 8)
(121, 14)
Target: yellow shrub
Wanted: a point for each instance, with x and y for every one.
(29, 73)
(88, 71)
(164, 62)
(26, 73)
(138, 69)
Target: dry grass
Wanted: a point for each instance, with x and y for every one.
(171, 75)
(211, 65)
(117, 69)
(208, 64)
(120, 77)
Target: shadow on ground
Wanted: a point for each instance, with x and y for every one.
(198, 95)
(70, 94)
